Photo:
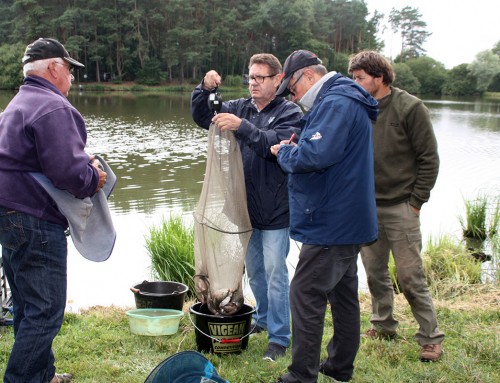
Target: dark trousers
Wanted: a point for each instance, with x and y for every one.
(324, 275)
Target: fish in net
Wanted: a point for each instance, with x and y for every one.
(222, 227)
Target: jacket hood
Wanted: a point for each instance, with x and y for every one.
(344, 86)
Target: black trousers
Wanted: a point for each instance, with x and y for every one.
(324, 275)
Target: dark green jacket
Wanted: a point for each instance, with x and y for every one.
(405, 147)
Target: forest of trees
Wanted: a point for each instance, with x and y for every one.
(176, 41)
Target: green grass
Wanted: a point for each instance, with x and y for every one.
(134, 87)
(494, 218)
(474, 223)
(449, 267)
(97, 346)
(492, 95)
(171, 249)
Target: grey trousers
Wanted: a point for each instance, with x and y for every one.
(399, 232)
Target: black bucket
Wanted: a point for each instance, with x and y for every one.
(159, 295)
(221, 334)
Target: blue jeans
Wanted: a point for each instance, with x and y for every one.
(34, 255)
(268, 275)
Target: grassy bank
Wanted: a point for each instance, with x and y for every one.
(97, 346)
(134, 87)
(179, 88)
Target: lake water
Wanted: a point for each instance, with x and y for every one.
(158, 155)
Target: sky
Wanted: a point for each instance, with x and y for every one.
(459, 30)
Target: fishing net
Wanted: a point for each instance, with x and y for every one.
(185, 367)
(222, 227)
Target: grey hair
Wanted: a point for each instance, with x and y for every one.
(318, 68)
(39, 65)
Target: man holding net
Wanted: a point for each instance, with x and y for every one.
(259, 122)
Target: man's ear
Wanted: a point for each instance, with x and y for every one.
(51, 69)
(309, 74)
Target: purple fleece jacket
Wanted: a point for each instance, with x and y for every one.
(40, 131)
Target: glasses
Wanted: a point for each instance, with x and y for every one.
(291, 88)
(70, 68)
(260, 79)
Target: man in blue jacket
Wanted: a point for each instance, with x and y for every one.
(258, 123)
(332, 212)
(40, 131)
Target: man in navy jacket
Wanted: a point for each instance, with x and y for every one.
(258, 123)
(332, 212)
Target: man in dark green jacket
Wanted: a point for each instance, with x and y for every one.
(406, 168)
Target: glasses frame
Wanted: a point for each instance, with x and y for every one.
(69, 66)
(291, 88)
(261, 78)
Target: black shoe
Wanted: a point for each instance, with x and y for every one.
(274, 351)
(280, 380)
(322, 368)
(322, 371)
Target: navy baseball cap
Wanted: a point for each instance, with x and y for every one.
(297, 60)
(46, 48)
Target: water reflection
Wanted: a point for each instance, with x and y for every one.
(476, 114)
(158, 154)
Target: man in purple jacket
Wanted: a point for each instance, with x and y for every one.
(40, 131)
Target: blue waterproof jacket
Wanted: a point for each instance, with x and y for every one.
(266, 184)
(331, 181)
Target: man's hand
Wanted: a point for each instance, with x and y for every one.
(102, 174)
(227, 121)
(276, 148)
(211, 80)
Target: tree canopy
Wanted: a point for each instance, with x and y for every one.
(181, 39)
(408, 23)
(174, 41)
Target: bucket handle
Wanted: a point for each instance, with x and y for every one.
(139, 292)
(223, 341)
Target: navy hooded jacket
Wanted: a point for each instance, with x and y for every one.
(331, 180)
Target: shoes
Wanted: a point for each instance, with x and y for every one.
(373, 333)
(431, 352)
(279, 380)
(274, 351)
(61, 378)
(322, 371)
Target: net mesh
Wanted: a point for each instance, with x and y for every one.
(222, 227)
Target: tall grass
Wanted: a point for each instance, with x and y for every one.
(393, 274)
(474, 223)
(171, 248)
(494, 219)
(449, 266)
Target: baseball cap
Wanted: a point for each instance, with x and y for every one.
(46, 48)
(297, 60)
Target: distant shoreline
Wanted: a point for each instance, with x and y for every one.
(135, 87)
